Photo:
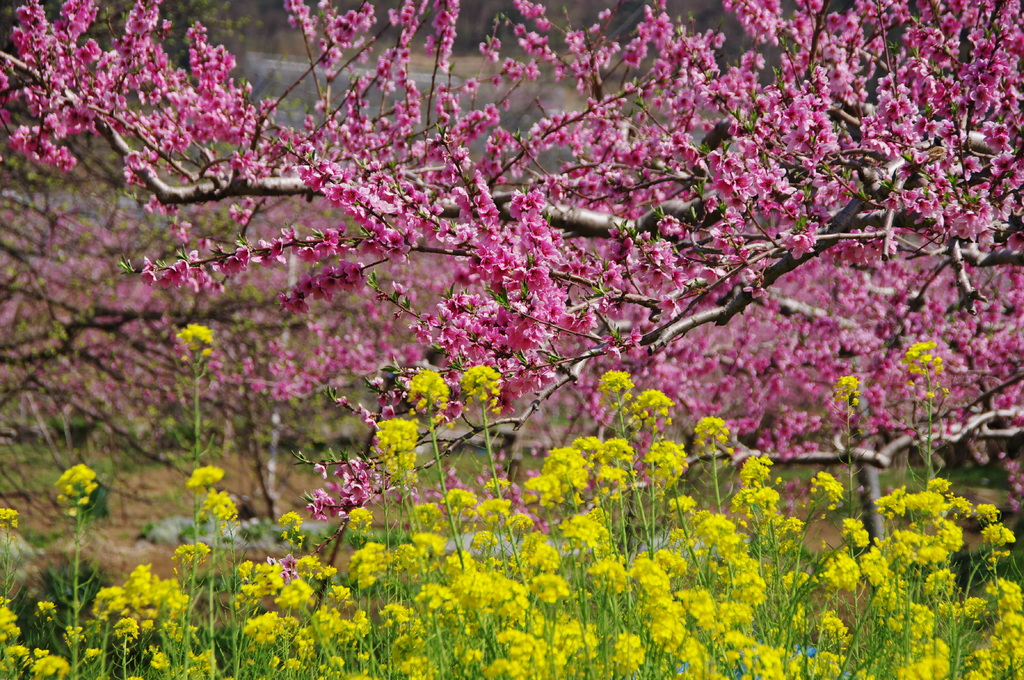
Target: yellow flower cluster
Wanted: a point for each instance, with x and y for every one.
(616, 387)
(190, 556)
(219, 506)
(428, 392)
(920, 360)
(8, 519)
(127, 629)
(396, 445)
(710, 434)
(754, 499)
(829, 488)
(265, 628)
(847, 390)
(9, 630)
(143, 597)
(360, 519)
(651, 409)
(666, 463)
(204, 477)
(366, 564)
(564, 476)
(483, 385)
(75, 488)
(291, 522)
(196, 337)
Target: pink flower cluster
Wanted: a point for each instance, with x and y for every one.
(358, 483)
(739, 232)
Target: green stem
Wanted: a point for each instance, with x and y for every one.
(197, 432)
(444, 489)
(76, 602)
(714, 478)
(498, 489)
(929, 472)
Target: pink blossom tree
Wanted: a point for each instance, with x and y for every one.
(734, 232)
(89, 358)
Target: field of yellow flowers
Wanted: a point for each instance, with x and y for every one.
(612, 572)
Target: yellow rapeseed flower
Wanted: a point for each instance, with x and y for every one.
(565, 472)
(832, 627)
(428, 392)
(127, 628)
(1008, 595)
(829, 488)
(940, 582)
(75, 488)
(609, 573)
(919, 359)
(666, 463)
(482, 384)
(987, 513)
(291, 522)
(719, 532)
(396, 444)
(709, 433)
(520, 523)
(847, 390)
(629, 654)
(429, 544)
(9, 630)
(218, 504)
(144, 596)
(360, 519)
(616, 386)
(310, 566)
(204, 477)
(367, 563)
(549, 588)
(855, 533)
(160, 660)
(537, 555)
(587, 531)
(461, 502)
(841, 572)
(8, 518)
(46, 610)
(196, 337)
(190, 556)
(651, 407)
(933, 664)
(484, 541)
(259, 581)
(428, 516)
(264, 629)
(493, 510)
(49, 666)
(682, 504)
(755, 471)
(295, 595)
(997, 535)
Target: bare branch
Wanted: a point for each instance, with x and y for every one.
(975, 424)
(790, 306)
(882, 458)
(969, 294)
(973, 255)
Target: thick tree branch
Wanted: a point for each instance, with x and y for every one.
(969, 294)
(973, 255)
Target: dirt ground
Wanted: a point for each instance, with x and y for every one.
(137, 498)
